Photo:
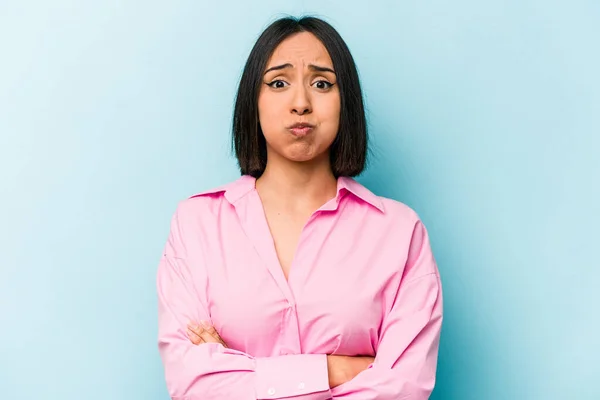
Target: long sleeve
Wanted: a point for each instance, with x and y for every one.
(211, 371)
(406, 360)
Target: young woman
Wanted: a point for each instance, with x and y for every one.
(295, 281)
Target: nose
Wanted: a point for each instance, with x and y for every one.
(301, 101)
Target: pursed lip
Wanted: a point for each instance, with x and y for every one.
(300, 125)
(301, 128)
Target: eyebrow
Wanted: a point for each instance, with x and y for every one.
(312, 67)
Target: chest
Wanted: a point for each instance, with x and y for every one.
(332, 300)
(285, 230)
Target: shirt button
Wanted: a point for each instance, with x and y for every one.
(271, 391)
(301, 385)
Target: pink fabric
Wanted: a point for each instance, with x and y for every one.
(363, 282)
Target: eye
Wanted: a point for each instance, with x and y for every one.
(277, 84)
(323, 85)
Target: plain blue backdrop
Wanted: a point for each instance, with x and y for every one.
(484, 116)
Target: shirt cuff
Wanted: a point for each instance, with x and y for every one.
(292, 375)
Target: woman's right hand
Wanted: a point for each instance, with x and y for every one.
(204, 333)
(342, 369)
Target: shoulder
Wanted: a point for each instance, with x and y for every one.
(401, 220)
(231, 192)
(388, 208)
(385, 210)
(398, 211)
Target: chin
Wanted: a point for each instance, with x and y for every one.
(305, 156)
(301, 152)
(300, 158)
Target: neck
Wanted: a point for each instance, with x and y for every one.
(298, 185)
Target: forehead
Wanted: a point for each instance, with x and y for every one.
(303, 47)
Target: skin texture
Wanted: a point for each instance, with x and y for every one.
(298, 93)
(299, 86)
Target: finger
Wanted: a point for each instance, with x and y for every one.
(214, 335)
(208, 338)
(221, 340)
(210, 329)
(199, 333)
(205, 333)
(213, 332)
(194, 337)
(197, 329)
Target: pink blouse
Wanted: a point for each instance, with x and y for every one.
(363, 281)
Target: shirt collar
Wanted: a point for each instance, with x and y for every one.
(359, 191)
(234, 190)
(246, 183)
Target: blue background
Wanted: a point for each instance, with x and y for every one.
(485, 118)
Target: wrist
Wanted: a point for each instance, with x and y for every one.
(336, 371)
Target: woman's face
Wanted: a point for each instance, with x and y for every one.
(299, 87)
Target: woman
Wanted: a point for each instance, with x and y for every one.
(295, 281)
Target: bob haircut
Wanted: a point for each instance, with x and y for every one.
(348, 152)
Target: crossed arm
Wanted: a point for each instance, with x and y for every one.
(404, 367)
(340, 369)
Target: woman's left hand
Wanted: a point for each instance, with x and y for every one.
(203, 333)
